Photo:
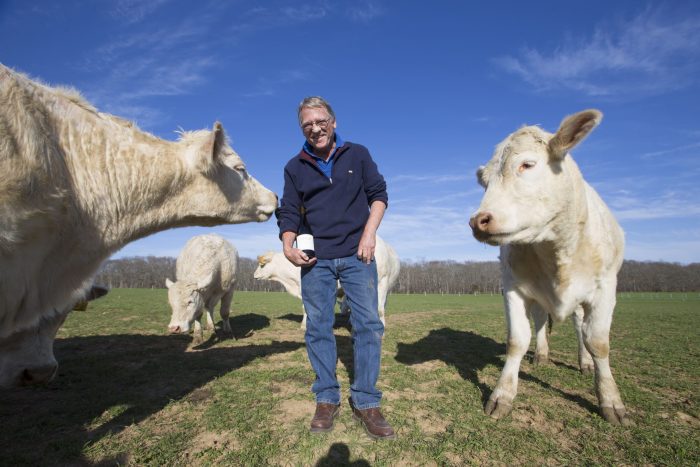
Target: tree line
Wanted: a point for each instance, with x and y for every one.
(444, 277)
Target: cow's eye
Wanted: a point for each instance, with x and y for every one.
(526, 166)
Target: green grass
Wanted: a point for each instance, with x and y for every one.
(128, 393)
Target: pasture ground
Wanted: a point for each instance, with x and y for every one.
(129, 394)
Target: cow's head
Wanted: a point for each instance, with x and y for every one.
(527, 182)
(26, 357)
(187, 303)
(262, 273)
(222, 191)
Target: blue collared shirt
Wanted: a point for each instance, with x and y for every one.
(326, 166)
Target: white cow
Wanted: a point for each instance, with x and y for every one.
(275, 266)
(561, 249)
(205, 275)
(76, 185)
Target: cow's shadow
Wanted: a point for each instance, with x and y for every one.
(243, 327)
(292, 317)
(469, 353)
(106, 383)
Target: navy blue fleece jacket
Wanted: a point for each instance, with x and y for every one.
(337, 208)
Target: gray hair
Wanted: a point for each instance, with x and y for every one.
(315, 102)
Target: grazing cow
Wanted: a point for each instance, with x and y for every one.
(561, 249)
(76, 185)
(205, 275)
(275, 266)
(26, 357)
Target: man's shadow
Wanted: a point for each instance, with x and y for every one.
(140, 373)
(339, 454)
(469, 353)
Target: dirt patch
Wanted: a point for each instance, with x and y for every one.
(286, 389)
(199, 395)
(430, 365)
(429, 423)
(220, 441)
(687, 419)
(293, 409)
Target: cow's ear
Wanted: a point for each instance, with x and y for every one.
(168, 283)
(480, 172)
(573, 130)
(218, 140)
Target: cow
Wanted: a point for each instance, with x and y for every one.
(26, 357)
(76, 185)
(205, 275)
(274, 266)
(560, 249)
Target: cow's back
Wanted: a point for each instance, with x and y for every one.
(207, 254)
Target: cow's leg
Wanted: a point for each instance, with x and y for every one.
(540, 316)
(198, 334)
(382, 290)
(210, 318)
(585, 361)
(225, 311)
(303, 319)
(501, 401)
(596, 337)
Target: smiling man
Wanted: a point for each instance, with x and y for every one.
(333, 188)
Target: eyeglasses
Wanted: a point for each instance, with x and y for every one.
(322, 124)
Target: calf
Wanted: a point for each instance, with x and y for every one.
(206, 274)
(561, 249)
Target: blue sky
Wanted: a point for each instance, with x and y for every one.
(430, 90)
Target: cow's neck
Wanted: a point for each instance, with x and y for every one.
(128, 184)
(289, 285)
(564, 249)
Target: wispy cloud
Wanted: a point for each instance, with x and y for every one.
(674, 150)
(651, 53)
(669, 204)
(365, 12)
(133, 11)
(163, 62)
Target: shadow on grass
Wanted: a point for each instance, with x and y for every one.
(243, 326)
(339, 454)
(106, 383)
(292, 317)
(469, 353)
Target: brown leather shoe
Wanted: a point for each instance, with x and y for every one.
(374, 422)
(323, 418)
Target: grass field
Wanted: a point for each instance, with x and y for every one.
(127, 393)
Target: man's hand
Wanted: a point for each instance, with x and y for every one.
(298, 257)
(365, 251)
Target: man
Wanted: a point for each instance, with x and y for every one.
(337, 187)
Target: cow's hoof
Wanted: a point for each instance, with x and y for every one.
(497, 408)
(540, 360)
(616, 416)
(587, 368)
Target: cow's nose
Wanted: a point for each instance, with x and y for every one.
(38, 374)
(481, 221)
(174, 329)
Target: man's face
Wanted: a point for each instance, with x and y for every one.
(318, 128)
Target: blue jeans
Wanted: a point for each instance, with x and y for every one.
(318, 285)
